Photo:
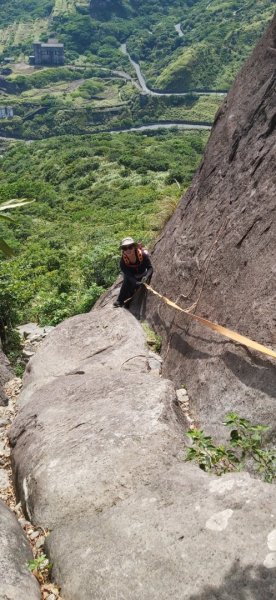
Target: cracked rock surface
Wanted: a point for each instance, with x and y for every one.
(98, 459)
(16, 580)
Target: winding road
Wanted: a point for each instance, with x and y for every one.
(146, 90)
(149, 127)
(142, 86)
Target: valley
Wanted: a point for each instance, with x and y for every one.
(158, 74)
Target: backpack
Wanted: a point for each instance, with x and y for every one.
(140, 252)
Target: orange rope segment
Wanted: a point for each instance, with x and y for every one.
(232, 335)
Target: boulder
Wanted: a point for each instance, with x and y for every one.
(33, 331)
(219, 248)
(98, 458)
(16, 581)
(89, 389)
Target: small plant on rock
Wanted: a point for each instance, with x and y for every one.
(210, 457)
(40, 567)
(153, 340)
(246, 443)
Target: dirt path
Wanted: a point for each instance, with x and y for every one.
(74, 85)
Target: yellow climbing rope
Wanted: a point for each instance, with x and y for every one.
(232, 335)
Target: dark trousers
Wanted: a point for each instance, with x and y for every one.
(127, 290)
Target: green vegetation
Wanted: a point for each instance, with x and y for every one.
(153, 340)
(82, 105)
(246, 448)
(40, 567)
(24, 10)
(191, 108)
(217, 38)
(90, 193)
(5, 248)
(9, 337)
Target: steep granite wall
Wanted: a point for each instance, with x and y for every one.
(232, 199)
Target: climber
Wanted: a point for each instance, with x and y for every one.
(136, 267)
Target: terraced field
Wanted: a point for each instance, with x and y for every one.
(22, 32)
(63, 7)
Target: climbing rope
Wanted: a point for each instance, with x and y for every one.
(232, 335)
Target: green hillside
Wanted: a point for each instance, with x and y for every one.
(90, 93)
(91, 191)
(215, 37)
(89, 195)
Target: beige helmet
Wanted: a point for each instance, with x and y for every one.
(128, 241)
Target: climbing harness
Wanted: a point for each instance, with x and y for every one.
(139, 255)
(232, 335)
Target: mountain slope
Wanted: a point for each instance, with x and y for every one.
(210, 44)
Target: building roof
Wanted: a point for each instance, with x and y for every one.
(46, 45)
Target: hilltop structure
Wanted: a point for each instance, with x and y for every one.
(50, 53)
(6, 112)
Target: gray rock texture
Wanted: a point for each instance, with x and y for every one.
(5, 375)
(34, 331)
(89, 389)
(16, 581)
(98, 459)
(231, 200)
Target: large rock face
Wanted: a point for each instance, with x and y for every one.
(98, 459)
(232, 200)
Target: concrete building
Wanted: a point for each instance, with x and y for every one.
(50, 53)
(6, 112)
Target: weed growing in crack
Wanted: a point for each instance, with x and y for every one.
(40, 567)
(246, 444)
(153, 340)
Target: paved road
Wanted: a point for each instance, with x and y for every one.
(146, 90)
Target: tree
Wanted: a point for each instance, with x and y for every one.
(103, 9)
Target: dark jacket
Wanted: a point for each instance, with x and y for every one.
(135, 272)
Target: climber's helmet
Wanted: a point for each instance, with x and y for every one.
(127, 243)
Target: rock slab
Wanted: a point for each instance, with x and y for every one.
(98, 449)
(98, 459)
(16, 581)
